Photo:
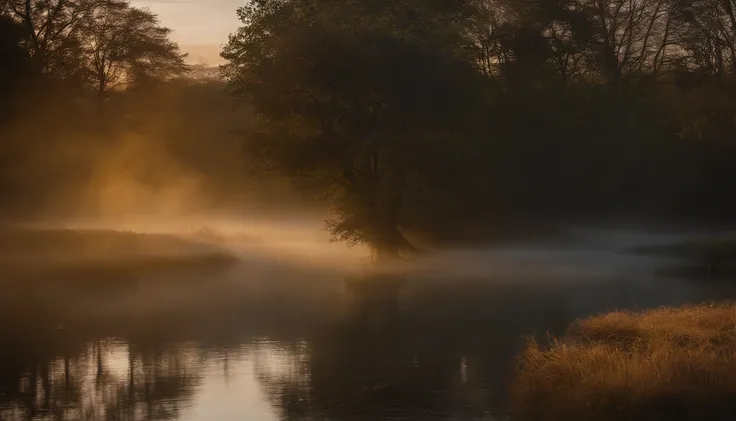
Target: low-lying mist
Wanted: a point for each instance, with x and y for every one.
(170, 150)
(168, 160)
(300, 241)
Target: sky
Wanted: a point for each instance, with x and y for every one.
(201, 27)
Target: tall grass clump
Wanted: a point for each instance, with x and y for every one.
(664, 364)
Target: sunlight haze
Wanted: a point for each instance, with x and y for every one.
(359, 210)
(200, 27)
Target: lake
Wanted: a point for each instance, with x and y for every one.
(275, 340)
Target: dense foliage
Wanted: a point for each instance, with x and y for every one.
(418, 122)
(357, 100)
(455, 118)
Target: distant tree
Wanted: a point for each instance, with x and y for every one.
(105, 44)
(707, 35)
(630, 37)
(204, 73)
(124, 45)
(354, 97)
(57, 59)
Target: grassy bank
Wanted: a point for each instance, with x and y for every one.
(665, 364)
(91, 255)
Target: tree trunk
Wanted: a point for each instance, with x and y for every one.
(391, 242)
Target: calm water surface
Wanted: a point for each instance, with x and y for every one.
(268, 341)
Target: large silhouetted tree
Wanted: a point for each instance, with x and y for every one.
(354, 97)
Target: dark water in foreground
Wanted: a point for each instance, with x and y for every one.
(264, 341)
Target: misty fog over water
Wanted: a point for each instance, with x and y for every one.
(290, 334)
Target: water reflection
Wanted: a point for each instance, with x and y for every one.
(287, 345)
(106, 379)
(382, 362)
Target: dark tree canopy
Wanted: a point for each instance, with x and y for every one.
(421, 123)
(354, 97)
(448, 117)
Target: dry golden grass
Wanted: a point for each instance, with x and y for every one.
(665, 364)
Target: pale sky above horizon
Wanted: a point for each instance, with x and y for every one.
(201, 27)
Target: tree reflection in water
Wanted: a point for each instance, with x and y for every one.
(393, 355)
(103, 379)
(98, 355)
(286, 346)
(424, 350)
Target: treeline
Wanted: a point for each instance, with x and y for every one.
(420, 121)
(101, 114)
(452, 119)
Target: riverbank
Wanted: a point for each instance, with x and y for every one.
(80, 255)
(664, 364)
